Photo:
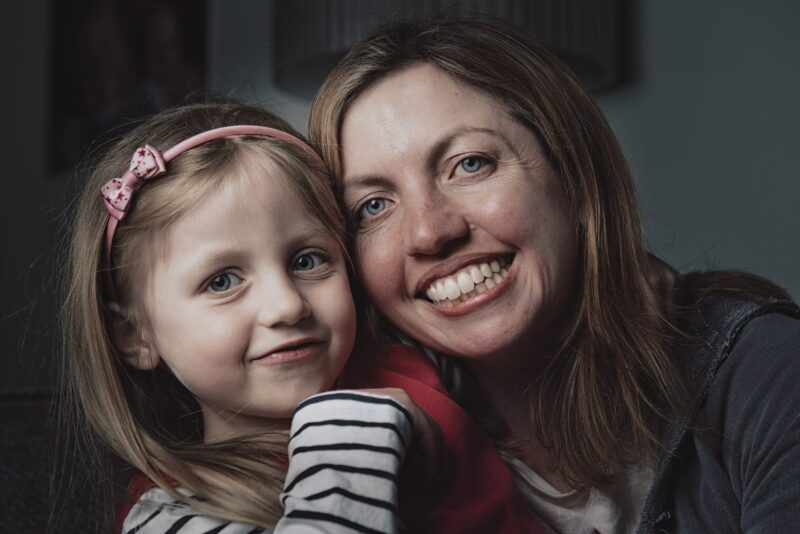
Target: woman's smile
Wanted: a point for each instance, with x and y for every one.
(476, 277)
(463, 237)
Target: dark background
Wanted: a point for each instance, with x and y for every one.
(708, 118)
(707, 115)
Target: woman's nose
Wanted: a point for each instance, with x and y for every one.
(282, 303)
(432, 224)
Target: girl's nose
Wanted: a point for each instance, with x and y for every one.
(432, 223)
(282, 303)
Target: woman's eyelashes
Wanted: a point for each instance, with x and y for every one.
(371, 208)
(469, 166)
(472, 165)
(369, 211)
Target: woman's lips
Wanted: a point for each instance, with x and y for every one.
(468, 281)
(293, 353)
(477, 295)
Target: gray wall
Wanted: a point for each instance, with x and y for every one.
(29, 198)
(708, 126)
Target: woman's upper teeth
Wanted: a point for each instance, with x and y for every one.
(475, 278)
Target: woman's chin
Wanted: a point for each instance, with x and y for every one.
(490, 345)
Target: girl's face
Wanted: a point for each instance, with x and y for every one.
(464, 240)
(250, 306)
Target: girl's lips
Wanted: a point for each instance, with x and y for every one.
(293, 353)
(475, 301)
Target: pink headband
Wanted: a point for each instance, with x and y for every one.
(148, 163)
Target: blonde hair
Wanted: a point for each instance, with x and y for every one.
(607, 387)
(147, 420)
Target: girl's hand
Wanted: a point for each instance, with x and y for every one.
(425, 453)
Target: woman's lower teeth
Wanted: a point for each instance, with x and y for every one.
(467, 283)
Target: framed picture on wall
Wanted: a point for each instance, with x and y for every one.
(112, 62)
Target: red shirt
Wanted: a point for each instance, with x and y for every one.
(476, 492)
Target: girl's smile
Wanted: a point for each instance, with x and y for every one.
(249, 303)
(293, 351)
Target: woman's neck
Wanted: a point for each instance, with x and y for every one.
(508, 389)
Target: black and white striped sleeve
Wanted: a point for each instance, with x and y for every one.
(157, 512)
(345, 453)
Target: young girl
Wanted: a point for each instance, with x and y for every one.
(207, 297)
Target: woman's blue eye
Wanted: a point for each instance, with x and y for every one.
(222, 282)
(308, 261)
(472, 164)
(373, 206)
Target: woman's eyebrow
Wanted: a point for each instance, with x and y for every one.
(435, 153)
(431, 158)
(366, 181)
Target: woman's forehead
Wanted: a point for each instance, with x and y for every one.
(422, 81)
(418, 112)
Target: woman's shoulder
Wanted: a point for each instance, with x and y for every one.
(716, 306)
(715, 325)
(743, 349)
(760, 354)
(732, 340)
(751, 403)
(720, 318)
(743, 462)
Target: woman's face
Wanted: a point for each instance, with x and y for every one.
(464, 240)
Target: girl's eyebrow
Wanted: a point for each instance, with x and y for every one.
(203, 262)
(315, 235)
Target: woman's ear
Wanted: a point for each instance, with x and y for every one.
(130, 341)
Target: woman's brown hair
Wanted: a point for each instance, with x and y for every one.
(613, 381)
(147, 421)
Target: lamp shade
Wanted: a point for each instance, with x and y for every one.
(312, 35)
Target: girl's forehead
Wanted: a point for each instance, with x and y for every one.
(230, 200)
(242, 219)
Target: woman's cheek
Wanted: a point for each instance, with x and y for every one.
(378, 262)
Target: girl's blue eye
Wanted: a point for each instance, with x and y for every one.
(308, 261)
(373, 207)
(472, 164)
(222, 282)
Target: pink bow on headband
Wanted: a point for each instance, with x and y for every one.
(146, 163)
